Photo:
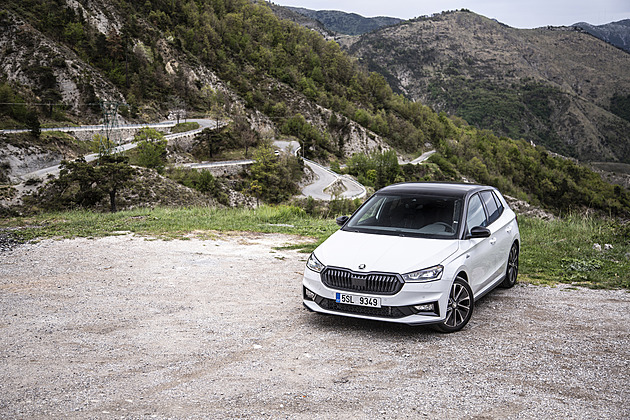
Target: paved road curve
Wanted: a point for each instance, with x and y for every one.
(422, 157)
(324, 177)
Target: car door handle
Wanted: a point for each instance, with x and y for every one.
(509, 229)
(493, 241)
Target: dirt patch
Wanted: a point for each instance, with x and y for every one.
(131, 327)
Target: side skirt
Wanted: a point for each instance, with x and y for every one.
(490, 287)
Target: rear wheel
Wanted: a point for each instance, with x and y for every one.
(460, 307)
(511, 272)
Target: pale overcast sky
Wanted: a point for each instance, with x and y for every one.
(515, 13)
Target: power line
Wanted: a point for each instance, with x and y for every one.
(44, 104)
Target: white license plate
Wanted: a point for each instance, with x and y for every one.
(358, 300)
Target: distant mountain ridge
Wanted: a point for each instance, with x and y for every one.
(290, 13)
(556, 87)
(347, 23)
(615, 33)
(552, 86)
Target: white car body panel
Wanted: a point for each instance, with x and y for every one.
(481, 261)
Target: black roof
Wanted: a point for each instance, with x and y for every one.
(433, 188)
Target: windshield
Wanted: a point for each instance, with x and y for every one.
(408, 215)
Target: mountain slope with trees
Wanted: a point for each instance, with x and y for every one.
(556, 87)
(235, 59)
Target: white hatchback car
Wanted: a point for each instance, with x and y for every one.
(416, 253)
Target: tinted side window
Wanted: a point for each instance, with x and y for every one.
(491, 205)
(499, 202)
(476, 215)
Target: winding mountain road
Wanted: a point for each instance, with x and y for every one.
(326, 186)
(127, 145)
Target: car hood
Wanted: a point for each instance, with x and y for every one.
(384, 253)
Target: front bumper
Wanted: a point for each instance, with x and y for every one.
(398, 308)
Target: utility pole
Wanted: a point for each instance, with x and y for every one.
(111, 133)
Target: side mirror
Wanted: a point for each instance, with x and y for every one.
(341, 220)
(479, 232)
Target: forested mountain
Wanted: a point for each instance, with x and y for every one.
(226, 56)
(556, 87)
(233, 58)
(615, 33)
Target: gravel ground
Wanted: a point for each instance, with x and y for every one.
(135, 328)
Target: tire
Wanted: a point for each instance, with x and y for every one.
(460, 307)
(511, 273)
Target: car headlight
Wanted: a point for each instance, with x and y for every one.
(314, 264)
(427, 274)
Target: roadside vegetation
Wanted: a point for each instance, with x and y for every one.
(584, 251)
(528, 173)
(578, 250)
(183, 127)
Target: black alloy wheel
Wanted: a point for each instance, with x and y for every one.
(511, 272)
(460, 307)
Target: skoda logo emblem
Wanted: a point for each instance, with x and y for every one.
(361, 266)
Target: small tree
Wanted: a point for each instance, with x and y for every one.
(113, 173)
(148, 134)
(217, 103)
(151, 149)
(77, 183)
(32, 123)
(101, 144)
(273, 177)
(244, 133)
(177, 107)
(256, 190)
(209, 142)
(85, 184)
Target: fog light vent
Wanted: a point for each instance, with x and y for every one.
(425, 307)
(308, 294)
(431, 309)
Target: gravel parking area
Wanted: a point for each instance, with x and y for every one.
(128, 327)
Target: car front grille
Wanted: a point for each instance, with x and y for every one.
(374, 283)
